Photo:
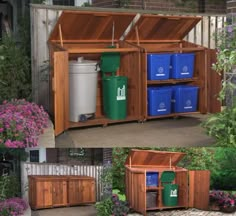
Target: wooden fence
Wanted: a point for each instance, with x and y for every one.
(43, 19)
(59, 169)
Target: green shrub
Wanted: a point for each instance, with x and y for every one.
(104, 207)
(9, 187)
(15, 75)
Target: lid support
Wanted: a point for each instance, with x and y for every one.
(60, 33)
(137, 35)
(170, 162)
(130, 162)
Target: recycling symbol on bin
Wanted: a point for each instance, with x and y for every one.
(162, 105)
(185, 69)
(160, 70)
(188, 103)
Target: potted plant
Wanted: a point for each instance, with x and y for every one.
(225, 201)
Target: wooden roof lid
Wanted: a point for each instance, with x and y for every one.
(153, 158)
(90, 26)
(162, 27)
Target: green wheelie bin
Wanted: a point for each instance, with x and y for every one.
(115, 97)
(114, 88)
(170, 191)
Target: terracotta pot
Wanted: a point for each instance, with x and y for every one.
(228, 209)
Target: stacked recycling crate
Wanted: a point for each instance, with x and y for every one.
(162, 44)
(167, 99)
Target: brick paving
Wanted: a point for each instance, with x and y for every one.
(188, 212)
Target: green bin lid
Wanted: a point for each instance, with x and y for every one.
(167, 176)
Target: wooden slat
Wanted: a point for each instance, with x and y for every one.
(199, 186)
(101, 50)
(60, 83)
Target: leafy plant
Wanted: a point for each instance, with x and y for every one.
(15, 72)
(119, 207)
(224, 173)
(9, 186)
(21, 123)
(13, 207)
(113, 206)
(104, 208)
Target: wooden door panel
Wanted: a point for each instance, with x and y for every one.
(182, 180)
(60, 91)
(87, 191)
(74, 192)
(199, 186)
(43, 194)
(139, 192)
(59, 193)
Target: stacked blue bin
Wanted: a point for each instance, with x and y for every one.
(184, 98)
(158, 66)
(182, 65)
(159, 101)
(152, 179)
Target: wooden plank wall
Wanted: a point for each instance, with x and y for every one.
(43, 20)
(60, 169)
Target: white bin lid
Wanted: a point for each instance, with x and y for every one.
(82, 62)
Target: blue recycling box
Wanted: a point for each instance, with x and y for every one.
(158, 66)
(159, 101)
(182, 65)
(184, 98)
(152, 179)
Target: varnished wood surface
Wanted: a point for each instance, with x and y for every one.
(56, 191)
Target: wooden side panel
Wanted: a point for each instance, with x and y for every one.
(139, 193)
(214, 83)
(59, 193)
(199, 186)
(129, 187)
(60, 88)
(43, 194)
(182, 180)
(74, 192)
(87, 191)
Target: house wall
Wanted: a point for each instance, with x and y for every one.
(92, 156)
(166, 5)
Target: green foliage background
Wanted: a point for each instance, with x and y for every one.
(220, 161)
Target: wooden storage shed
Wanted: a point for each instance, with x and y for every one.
(160, 34)
(88, 34)
(193, 186)
(56, 191)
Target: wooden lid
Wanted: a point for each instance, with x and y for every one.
(90, 26)
(162, 28)
(153, 158)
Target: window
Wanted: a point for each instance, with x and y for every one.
(64, 2)
(34, 155)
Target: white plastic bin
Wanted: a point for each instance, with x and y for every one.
(82, 89)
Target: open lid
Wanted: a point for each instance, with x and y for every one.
(88, 26)
(162, 28)
(153, 158)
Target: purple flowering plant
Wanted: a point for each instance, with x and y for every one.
(13, 207)
(223, 199)
(21, 123)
